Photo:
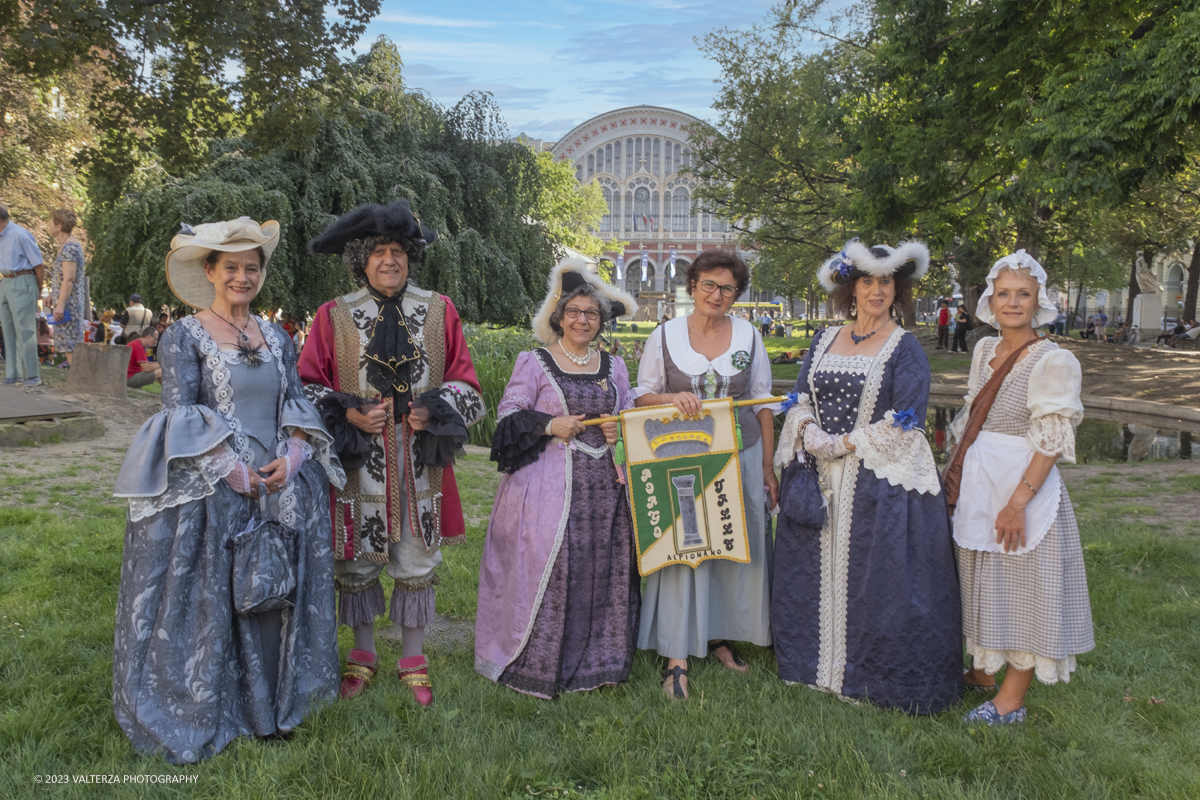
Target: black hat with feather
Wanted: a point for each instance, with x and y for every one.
(355, 234)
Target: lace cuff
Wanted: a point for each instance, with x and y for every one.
(519, 439)
(445, 433)
(790, 441)
(188, 479)
(1052, 435)
(900, 457)
(353, 447)
(301, 415)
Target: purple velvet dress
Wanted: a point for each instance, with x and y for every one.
(558, 588)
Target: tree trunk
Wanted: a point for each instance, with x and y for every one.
(1189, 300)
(1134, 290)
(1078, 305)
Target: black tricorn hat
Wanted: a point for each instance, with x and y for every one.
(394, 221)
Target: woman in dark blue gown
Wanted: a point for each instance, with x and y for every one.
(865, 598)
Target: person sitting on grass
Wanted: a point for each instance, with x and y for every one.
(142, 371)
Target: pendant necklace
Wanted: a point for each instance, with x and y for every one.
(242, 337)
(581, 361)
(251, 354)
(860, 339)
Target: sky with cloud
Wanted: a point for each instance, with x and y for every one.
(553, 64)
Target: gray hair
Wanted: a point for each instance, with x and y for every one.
(3, 213)
(586, 290)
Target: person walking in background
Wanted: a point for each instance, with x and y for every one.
(943, 323)
(1101, 326)
(962, 324)
(24, 272)
(68, 289)
(136, 318)
(1060, 323)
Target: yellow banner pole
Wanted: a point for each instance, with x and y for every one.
(736, 404)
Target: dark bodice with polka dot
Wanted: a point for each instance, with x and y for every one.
(838, 385)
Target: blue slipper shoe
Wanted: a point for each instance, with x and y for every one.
(988, 713)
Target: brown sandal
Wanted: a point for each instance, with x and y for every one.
(360, 668)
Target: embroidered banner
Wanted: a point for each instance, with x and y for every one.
(685, 485)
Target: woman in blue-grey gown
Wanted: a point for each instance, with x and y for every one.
(191, 671)
(865, 596)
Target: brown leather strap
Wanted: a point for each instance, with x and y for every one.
(980, 407)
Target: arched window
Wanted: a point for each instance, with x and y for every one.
(641, 208)
(633, 275)
(678, 154)
(617, 156)
(655, 213)
(591, 165)
(606, 220)
(657, 142)
(628, 211)
(630, 166)
(600, 159)
(679, 212)
(704, 223)
(608, 158)
(687, 157)
(579, 172)
(667, 158)
(614, 209)
(637, 144)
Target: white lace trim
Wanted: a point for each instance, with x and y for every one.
(846, 365)
(1052, 435)
(842, 477)
(790, 441)
(188, 479)
(223, 390)
(1047, 670)
(900, 457)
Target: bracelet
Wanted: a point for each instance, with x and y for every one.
(548, 424)
(1030, 485)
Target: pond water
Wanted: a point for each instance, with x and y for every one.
(1096, 440)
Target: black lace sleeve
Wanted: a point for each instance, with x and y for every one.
(351, 445)
(445, 433)
(519, 439)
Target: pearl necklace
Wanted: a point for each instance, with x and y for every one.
(580, 361)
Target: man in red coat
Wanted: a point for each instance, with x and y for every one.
(390, 370)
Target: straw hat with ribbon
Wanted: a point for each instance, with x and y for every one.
(191, 246)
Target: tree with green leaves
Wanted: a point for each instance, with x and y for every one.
(569, 211)
(479, 195)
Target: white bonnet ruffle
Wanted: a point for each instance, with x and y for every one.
(1047, 311)
(611, 294)
(877, 260)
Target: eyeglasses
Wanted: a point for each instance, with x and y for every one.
(591, 315)
(712, 286)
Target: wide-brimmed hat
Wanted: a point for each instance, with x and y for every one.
(565, 278)
(189, 248)
(1047, 311)
(910, 259)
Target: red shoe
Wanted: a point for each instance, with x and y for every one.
(414, 673)
(360, 668)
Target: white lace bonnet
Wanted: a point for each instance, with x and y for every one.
(1047, 311)
(189, 248)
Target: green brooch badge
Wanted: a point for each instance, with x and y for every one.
(741, 359)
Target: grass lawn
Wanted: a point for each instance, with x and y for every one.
(738, 737)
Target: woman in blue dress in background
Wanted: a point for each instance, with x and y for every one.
(865, 598)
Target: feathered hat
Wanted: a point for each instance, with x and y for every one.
(910, 259)
(568, 276)
(394, 222)
(191, 246)
(1047, 311)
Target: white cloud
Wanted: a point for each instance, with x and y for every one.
(435, 22)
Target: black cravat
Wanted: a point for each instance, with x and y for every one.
(390, 350)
